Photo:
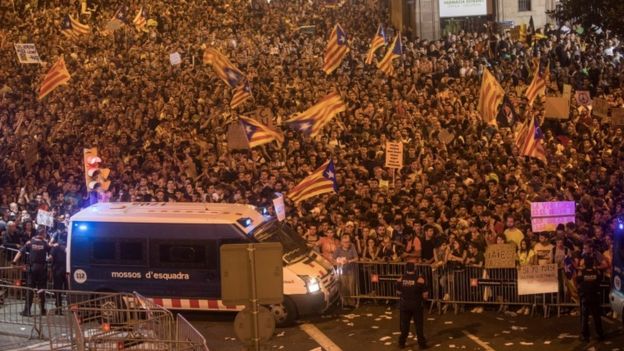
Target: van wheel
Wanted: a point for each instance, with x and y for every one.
(285, 313)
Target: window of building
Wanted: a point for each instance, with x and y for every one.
(524, 5)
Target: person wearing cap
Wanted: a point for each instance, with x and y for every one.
(37, 249)
(412, 292)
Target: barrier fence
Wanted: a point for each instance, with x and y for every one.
(95, 321)
(466, 286)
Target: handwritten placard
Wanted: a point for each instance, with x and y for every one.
(535, 279)
(394, 154)
(500, 256)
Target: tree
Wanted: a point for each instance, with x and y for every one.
(605, 14)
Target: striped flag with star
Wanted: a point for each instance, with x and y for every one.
(322, 181)
(258, 134)
(242, 93)
(57, 75)
(222, 66)
(490, 97)
(336, 49)
(312, 120)
(72, 28)
(140, 20)
(529, 140)
(538, 84)
(394, 51)
(378, 41)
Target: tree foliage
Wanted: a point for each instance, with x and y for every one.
(605, 14)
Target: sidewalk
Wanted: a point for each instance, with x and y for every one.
(16, 337)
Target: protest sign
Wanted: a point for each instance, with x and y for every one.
(600, 108)
(445, 136)
(175, 58)
(567, 90)
(394, 154)
(617, 116)
(280, 209)
(45, 218)
(557, 107)
(545, 216)
(535, 279)
(500, 256)
(236, 138)
(27, 53)
(583, 98)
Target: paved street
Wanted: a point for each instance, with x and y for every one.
(374, 327)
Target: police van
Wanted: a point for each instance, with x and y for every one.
(617, 293)
(170, 253)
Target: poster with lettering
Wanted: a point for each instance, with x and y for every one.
(600, 108)
(45, 218)
(500, 256)
(394, 154)
(280, 209)
(617, 116)
(27, 53)
(536, 279)
(545, 216)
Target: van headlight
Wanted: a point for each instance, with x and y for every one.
(312, 284)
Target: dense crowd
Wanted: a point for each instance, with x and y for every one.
(161, 129)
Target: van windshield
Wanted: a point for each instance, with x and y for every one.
(295, 247)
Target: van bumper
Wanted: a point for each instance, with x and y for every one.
(309, 304)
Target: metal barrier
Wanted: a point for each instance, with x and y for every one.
(186, 332)
(465, 286)
(12, 319)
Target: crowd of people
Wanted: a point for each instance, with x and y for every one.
(162, 129)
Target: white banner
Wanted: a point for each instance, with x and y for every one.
(280, 209)
(27, 53)
(394, 154)
(463, 8)
(537, 279)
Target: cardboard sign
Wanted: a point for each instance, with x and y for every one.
(500, 256)
(45, 218)
(600, 108)
(567, 90)
(545, 216)
(175, 58)
(445, 136)
(280, 209)
(557, 107)
(537, 279)
(236, 138)
(617, 116)
(583, 98)
(394, 154)
(27, 53)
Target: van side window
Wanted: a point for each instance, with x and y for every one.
(131, 251)
(191, 254)
(103, 250)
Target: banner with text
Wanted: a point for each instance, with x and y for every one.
(500, 256)
(394, 154)
(27, 53)
(536, 279)
(545, 216)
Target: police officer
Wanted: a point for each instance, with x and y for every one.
(588, 281)
(413, 292)
(59, 258)
(38, 249)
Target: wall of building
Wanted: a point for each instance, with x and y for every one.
(507, 10)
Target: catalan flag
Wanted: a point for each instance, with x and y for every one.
(322, 181)
(378, 41)
(312, 120)
(119, 19)
(258, 134)
(336, 49)
(222, 66)
(491, 95)
(57, 75)
(140, 20)
(529, 140)
(538, 84)
(241, 94)
(394, 51)
(72, 28)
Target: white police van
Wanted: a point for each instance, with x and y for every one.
(170, 253)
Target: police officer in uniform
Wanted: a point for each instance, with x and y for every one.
(588, 282)
(413, 292)
(59, 258)
(38, 249)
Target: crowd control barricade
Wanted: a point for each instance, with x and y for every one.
(12, 321)
(378, 279)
